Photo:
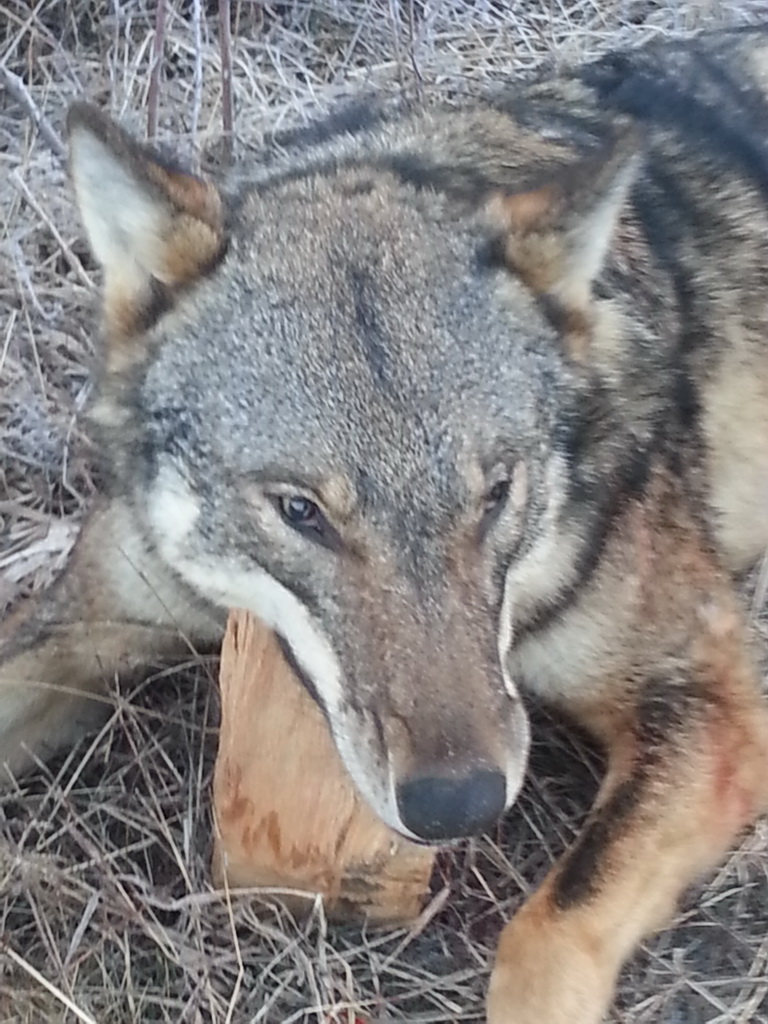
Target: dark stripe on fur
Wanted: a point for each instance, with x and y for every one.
(590, 435)
(643, 84)
(669, 709)
(374, 343)
(301, 675)
(580, 874)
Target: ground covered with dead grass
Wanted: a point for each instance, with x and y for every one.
(107, 913)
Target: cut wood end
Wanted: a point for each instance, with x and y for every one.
(287, 813)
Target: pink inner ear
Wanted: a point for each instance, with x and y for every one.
(526, 210)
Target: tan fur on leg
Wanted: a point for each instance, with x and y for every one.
(677, 794)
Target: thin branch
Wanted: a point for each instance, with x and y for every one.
(70, 257)
(227, 103)
(56, 992)
(48, 133)
(412, 40)
(158, 47)
(197, 79)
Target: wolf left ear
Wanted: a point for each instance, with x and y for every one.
(556, 237)
(153, 228)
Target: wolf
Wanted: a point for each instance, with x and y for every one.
(464, 403)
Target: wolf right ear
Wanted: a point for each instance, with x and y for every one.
(556, 236)
(152, 228)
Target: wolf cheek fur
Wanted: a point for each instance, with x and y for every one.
(509, 364)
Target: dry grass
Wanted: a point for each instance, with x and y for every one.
(106, 909)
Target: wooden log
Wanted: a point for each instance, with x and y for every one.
(287, 812)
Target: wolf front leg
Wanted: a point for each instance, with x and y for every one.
(687, 771)
(113, 610)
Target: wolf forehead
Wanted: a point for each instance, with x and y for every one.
(351, 307)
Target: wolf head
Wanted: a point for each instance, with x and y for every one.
(345, 399)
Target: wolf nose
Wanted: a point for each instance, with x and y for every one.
(435, 808)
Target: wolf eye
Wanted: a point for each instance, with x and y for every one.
(494, 501)
(299, 511)
(497, 494)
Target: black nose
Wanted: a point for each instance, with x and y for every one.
(444, 808)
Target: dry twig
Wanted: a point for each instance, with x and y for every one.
(20, 92)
